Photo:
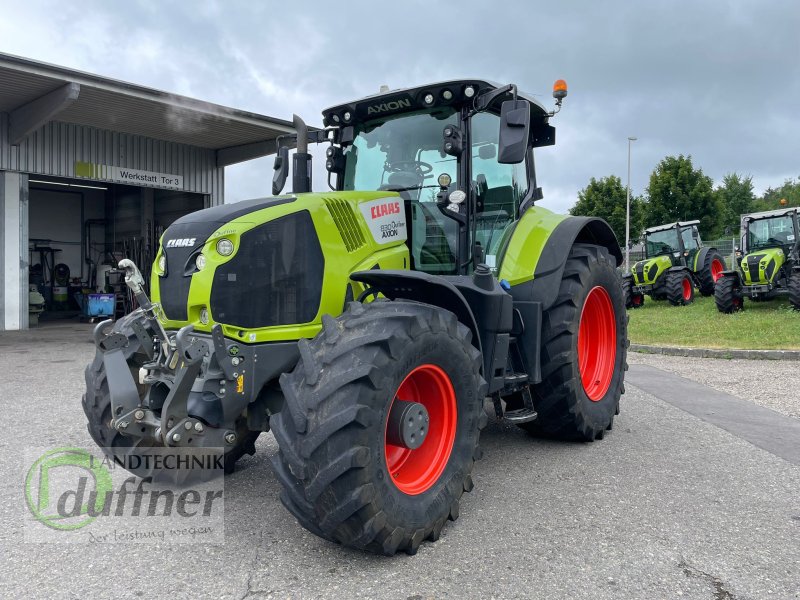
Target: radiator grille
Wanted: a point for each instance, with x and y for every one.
(275, 278)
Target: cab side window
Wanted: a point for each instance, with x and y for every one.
(499, 189)
(689, 241)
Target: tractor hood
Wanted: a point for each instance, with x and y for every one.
(646, 272)
(267, 269)
(761, 266)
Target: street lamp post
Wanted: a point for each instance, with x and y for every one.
(628, 212)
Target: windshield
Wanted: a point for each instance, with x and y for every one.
(662, 242)
(771, 232)
(401, 153)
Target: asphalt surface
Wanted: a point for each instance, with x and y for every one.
(669, 505)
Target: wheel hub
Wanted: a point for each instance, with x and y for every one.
(407, 425)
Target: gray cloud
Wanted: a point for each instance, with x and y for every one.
(719, 81)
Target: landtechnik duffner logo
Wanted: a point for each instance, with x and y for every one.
(74, 495)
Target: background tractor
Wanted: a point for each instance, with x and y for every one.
(366, 326)
(767, 263)
(675, 263)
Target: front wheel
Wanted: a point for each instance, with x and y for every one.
(728, 294)
(680, 288)
(584, 350)
(380, 426)
(794, 290)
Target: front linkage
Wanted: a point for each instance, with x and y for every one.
(183, 376)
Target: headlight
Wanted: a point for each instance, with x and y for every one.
(162, 264)
(200, 261)
(225, 247)
(204, 316)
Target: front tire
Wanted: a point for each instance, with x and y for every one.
(794, 289)
(680, 288)
(584, 350)
(728, 295)
(342, 476)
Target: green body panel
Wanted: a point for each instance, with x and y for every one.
(518, 262)
(339, 262)
(759, 276)
(653, 268)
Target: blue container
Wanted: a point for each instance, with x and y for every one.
(100, 305)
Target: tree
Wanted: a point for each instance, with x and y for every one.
(735, 197)
(771, 200)
(606, 198)
(679, 192)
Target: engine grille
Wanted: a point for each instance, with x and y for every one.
(275, 277)
(346, 222)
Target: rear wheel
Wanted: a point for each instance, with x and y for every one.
(710, 272)
(380, 426)
(728, 294)
(584, 348)
(794, 290)
(680, 288)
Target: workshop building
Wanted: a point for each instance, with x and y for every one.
(93, 170)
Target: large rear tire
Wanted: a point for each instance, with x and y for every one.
(680, 288)
(342, 476)
(710, 272)
(584, 350)
(728, 294)
(97, 408)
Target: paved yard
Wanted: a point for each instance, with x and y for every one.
(669, 505)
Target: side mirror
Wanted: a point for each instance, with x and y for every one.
(453, 143)
(515, 124)
(281, 168)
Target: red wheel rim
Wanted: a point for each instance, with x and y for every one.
(687, 289)
(416, 471)
(716, 269)
(597, 343)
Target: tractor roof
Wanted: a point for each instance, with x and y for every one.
(769, 213)
(671, 226)
(411, 99)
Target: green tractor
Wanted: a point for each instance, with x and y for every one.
(366, 326)
(675, 263)
(768, 264)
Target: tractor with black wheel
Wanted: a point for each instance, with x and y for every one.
(767, 263)
(373, 327)
(676, 262)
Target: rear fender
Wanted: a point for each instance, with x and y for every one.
(546, 273)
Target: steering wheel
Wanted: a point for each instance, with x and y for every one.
(419, 167)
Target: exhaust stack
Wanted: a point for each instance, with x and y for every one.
(301, 161)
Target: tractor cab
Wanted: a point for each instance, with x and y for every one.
(679, 241)
(459, 154)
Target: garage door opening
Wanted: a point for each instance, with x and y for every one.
(79, 231)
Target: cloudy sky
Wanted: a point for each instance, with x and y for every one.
(717, 80)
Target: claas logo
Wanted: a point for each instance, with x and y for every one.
(381, 210)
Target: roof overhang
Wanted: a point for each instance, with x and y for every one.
(35, 93)
(769, 213)
(671, 226)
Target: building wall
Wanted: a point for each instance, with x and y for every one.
(55, 148)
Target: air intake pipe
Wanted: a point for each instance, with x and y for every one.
(301, 161)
